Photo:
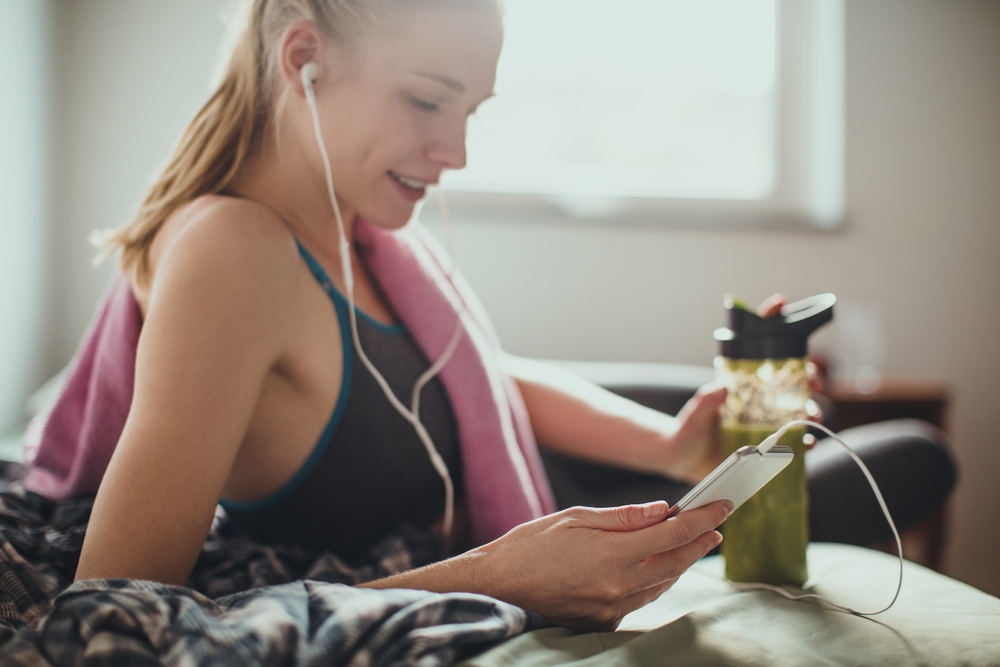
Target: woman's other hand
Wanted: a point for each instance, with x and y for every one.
(696, 445)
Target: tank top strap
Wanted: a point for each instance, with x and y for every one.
(339, 300)
(321, 276)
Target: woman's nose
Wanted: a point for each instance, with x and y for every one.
(449, 148)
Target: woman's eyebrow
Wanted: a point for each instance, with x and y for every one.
(457, 86)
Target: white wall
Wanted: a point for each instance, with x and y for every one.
(24, 128)
(922, 240)
(130, 75)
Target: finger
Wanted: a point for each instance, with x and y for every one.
(677, 531)
(809, 440)
(813, 412)
(669, 566)
(713, 393)
(710, 388)
(816, 379)
(626, 518)
(772, 305)
(708, 397)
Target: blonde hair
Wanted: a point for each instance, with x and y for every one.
(222, 134)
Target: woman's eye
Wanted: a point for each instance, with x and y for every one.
(423, 105)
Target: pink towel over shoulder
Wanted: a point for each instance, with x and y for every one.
(69, 449)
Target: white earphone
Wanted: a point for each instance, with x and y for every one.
(308, 75)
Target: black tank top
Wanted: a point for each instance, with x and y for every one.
(369, 472)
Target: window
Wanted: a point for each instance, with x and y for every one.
(688, 111)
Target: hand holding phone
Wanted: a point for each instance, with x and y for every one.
(737, 478)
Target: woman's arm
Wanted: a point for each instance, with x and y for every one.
(581, 568)
(574, 416)
(210, 337)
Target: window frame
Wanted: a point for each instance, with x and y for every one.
(809, 179)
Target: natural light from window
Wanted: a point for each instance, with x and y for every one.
(630, 98)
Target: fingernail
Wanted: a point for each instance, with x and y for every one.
(728, 505)
(650, 510)
(718, 540)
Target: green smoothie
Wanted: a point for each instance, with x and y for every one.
(766, 537)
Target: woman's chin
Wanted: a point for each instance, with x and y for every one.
(391, 220)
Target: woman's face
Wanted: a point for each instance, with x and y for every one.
(395, 118)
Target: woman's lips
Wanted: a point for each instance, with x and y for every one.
(407, 189)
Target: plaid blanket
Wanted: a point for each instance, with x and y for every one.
(245, 603)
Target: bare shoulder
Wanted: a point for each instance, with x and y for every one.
(235, 233)
(224, 244)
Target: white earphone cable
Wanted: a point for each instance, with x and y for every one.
(308, 73)
(765, 446)
(456, 336)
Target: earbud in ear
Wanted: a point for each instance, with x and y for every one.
(308, 74)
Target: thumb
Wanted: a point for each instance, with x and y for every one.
(625, 518)
(772, 305)
(714, 395)
(708, 398)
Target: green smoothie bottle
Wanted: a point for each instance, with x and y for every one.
(762, 363)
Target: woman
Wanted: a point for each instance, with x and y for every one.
(241, 359)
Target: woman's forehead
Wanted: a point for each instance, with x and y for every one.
(457, 46)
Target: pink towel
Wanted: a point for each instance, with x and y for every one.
(504, 479)
(70, 447)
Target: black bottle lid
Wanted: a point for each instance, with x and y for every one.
(750, 336)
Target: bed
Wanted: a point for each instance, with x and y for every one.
(937, 621)
(248, 603)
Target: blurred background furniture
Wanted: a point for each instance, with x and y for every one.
(901, 397)
(910, 459)
(896, 397)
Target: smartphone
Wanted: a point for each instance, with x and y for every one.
(737, 478)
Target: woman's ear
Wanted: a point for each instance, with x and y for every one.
(302, 43)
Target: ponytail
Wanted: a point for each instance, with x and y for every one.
(210, 152)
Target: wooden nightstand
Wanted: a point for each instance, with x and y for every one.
(897, 397)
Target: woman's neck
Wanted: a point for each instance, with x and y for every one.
(299, 197)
